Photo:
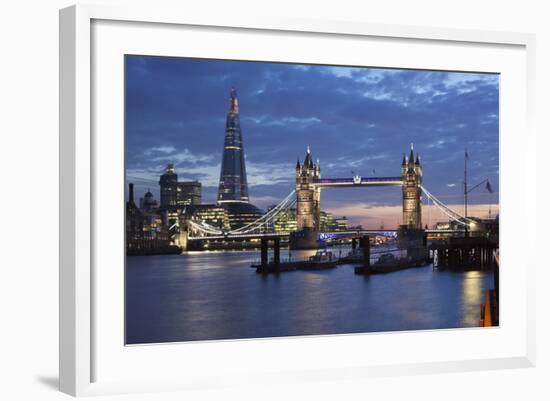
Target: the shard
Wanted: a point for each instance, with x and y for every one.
(233, 189)
(233, 186)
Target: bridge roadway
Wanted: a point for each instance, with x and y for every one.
(358, 182)
(387, 233)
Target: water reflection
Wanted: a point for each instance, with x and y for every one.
(215, 295)
(472, 297)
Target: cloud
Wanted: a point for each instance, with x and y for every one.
(360, 162)
(467, 82)
(269, 173)
(162, 149)
(266, 121)
(437, 144)
(341, 71)
(184, 156)
(209, 174)
(265, 201)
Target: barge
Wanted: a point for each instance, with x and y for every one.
(388, 263)
(320, 261)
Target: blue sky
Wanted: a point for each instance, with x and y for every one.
(354, 119)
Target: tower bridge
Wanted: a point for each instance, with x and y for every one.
(308, 194)
(306, 198)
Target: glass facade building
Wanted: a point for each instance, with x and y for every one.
(233, 188)
(168, 187)
(189, 193)
(233, 185)
(213, 215)
(285, 221)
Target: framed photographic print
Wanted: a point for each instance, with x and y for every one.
(318, 198)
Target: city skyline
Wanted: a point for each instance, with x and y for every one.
(176, 114)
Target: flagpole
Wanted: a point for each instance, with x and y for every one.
(465, 193)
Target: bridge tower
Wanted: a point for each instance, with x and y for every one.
(411, 174)
(182, 236)
(308, 196)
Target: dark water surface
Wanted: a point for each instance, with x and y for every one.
(216, 295)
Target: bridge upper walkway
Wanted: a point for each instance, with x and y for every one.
(358, 182)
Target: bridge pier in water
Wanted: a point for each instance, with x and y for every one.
(265, 266)
(264, 251)
(304, 239)
(364, 242)
(277, 252)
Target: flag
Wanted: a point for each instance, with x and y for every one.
(488, 186)
(466, 155)
(374, 172)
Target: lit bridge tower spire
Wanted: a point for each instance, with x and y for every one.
(233, 185)
(308, 196)
(411, 174)
(308, 204)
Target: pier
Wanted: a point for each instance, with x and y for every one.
(464, 253)
(412, 242)
(323, 260)
(412, 249)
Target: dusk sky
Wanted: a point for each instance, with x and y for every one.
(358, 120)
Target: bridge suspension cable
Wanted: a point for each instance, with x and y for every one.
(289, 201)
(449, 212)
(257, 224)
(204, 228)
(265, 219)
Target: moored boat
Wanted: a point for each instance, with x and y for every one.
(321, 260)
(388, 263)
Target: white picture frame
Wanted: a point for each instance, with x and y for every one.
(79, 316)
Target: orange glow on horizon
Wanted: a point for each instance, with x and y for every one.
(371, 216)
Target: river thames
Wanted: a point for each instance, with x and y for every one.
(216, 295)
